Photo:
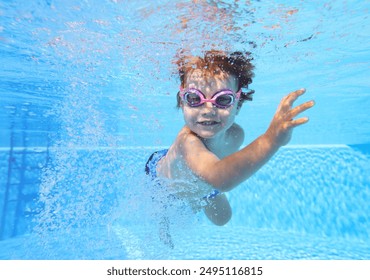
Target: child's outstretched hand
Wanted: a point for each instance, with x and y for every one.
(281, 127)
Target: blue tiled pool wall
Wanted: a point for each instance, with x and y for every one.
(20, 171)
(322, 191)
(307, 189)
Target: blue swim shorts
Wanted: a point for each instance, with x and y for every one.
(151, 169)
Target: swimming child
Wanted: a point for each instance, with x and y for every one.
(205, 160)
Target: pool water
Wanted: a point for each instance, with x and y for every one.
(322, 213)
(88, 92)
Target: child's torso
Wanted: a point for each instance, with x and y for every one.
(181, 177)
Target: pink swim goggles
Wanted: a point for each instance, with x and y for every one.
(221, 99)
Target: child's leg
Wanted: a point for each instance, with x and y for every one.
(218, 210)
(164, 232)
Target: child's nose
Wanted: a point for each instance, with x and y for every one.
(208, 108)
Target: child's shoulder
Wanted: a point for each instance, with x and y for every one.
(235, 134)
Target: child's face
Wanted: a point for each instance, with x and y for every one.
(208, 121)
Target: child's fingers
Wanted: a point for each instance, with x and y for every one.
(291, 97)
(287, 102)
(297, 122)
(299, 109)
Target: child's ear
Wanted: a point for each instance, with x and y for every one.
(179, 101)
(181, 105)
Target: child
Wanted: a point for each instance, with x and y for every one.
(204, 161)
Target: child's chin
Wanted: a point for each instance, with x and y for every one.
(207, 135)
(207, 132)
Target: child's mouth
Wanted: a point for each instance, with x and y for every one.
(208, 123)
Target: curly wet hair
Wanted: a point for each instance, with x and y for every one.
(237, 64)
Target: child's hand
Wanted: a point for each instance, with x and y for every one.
(281, 127)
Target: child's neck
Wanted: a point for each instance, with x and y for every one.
(215, 144)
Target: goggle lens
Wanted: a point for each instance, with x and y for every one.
(195, 98)
(192, 99)
(225, 100)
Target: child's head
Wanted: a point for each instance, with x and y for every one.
(216, 64)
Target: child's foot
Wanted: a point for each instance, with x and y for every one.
(164, 233)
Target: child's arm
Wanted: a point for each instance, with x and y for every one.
(232, 170)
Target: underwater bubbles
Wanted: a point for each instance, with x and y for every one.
(81, 184)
